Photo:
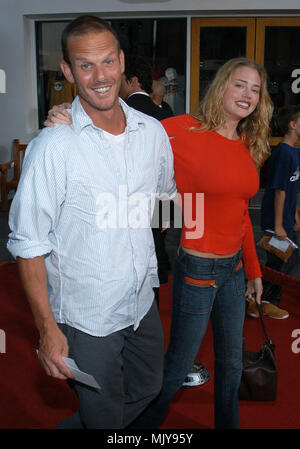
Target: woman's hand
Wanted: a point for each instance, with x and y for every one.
(254, 287)
(59, 115)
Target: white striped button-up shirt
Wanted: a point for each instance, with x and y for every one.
(77, 209)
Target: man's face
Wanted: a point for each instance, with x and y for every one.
(296, 127)
(96, 68)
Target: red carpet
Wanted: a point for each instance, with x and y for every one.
(32, 400)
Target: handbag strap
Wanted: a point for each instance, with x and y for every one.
(261, 316)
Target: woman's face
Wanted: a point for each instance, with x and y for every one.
(242, 94)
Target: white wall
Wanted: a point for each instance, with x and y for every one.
(18, 109)
(12, 103)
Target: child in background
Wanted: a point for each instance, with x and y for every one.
(278, 211)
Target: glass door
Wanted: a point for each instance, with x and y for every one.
(213, 42)
(277, 49)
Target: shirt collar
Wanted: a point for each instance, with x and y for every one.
(81, 119)
(138, 93)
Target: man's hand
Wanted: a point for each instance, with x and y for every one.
(59, 115)
(254, 287)
(54, 346)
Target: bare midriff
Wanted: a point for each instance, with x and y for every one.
(196, 253)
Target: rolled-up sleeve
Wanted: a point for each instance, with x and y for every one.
(36, 206)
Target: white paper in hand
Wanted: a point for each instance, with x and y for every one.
(80, 376)
(279, 244)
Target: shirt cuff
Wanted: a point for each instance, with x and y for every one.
(28, 250)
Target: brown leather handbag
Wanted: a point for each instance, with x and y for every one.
(283, 255)
(259, 377)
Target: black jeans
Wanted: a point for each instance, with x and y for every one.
(128, 365)
(272, 292)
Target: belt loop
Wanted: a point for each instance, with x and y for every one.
(239, 255)
(213, 270)
(180, 254)
(236, 259)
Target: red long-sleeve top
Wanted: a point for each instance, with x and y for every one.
(222, 169)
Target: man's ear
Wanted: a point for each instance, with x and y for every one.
(134, 82)
(66, 69)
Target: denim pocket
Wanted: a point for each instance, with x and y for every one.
(197, 295)
(200, 282)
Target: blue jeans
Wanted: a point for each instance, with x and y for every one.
(204, 289)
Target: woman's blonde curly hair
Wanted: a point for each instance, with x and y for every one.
(254, 130)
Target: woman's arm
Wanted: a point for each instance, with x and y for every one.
(251, 263)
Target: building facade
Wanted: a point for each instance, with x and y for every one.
(186, 44)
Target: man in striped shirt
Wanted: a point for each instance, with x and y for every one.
(80, 230)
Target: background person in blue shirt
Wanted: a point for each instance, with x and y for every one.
(278, 211)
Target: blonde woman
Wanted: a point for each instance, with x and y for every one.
(217, 152)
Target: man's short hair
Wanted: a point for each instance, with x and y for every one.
(83, 25)
(286, 115)
(141, 68)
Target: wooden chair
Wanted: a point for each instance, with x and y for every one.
(6, 186)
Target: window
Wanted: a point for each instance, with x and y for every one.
(273, 42)
(278, 51)
(215, 41)
(161, 41)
